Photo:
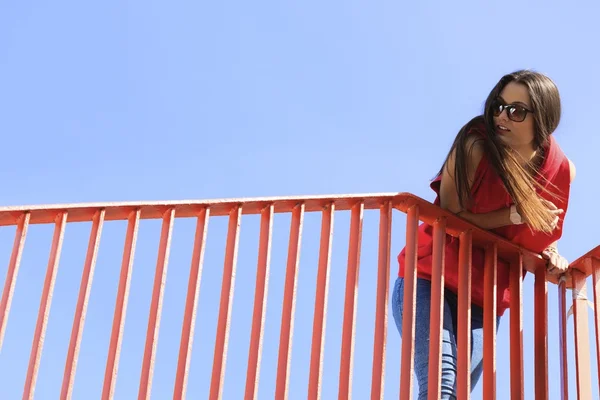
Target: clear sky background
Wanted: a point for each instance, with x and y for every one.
(115, 100)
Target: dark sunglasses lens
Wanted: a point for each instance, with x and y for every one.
(517, 113)
(496, 108)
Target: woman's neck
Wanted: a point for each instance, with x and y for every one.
(527, 153)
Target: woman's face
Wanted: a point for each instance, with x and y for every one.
(517, 129)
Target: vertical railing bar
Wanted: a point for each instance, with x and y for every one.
(562, 337)
(226, 304)
(45, 303)
(116, 337)
(516, 329)
(409, 309)
(191, 306)
(596, 289)
(463, 348)
(160, 279)
(320, 314)
(541, 334)
(489, 321)
(381, 316)
(289, 303)
(436, 320)
(582, 343)
(12, 272)
(351, 296)
(260, 303)
(85, 288)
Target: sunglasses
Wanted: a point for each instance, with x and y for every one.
(515, 112)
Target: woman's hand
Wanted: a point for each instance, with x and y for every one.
(555, 211)
(555, 263)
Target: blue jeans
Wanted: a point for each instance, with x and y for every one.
(449, 333)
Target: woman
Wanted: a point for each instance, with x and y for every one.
(505, 173)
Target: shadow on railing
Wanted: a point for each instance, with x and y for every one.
(22, 218)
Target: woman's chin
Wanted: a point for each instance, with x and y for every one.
(505, 138)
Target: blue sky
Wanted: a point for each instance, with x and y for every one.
(113, 100)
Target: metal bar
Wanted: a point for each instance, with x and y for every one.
(226, 303)
(349, 324)
(12, 272)
(436, 320)
(289, 303)
(82, 303)
(596, 289)
(160, 280)
(409, 309)
(260, 303)
(383, 279)
(191, 306)
(516, 330)
(582, 341)
(541, 334)
(320, 315)
(116, 337)
(84, 212)
(463, 348)
(45, 303)
(562, 337)
(490, 308)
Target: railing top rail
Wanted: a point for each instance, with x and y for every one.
(428, 212)
(83, 212)
(583, 263)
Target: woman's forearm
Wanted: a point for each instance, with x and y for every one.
(489, 220)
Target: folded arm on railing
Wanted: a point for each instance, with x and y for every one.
(508, 251)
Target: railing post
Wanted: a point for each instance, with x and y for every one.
(289, 303)
(158, 291)
(437, 309)
(191, 306)
(562, 323)
(582, 342)
(320, 315)
(116, 336)
(226, 303)
(516, 329)
(45, 303)
(350, 302)
(82, 302)
(463, 347)
(409, 309)
(12, 272)
(541, 333)
(489, 322)
(596, 289)
(383, 279)
(260, 302)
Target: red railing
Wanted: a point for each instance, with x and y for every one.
(195, 313)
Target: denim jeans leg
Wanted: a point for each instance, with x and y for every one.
(477, 343)
(422, 334)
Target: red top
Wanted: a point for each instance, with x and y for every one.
(489, 194)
